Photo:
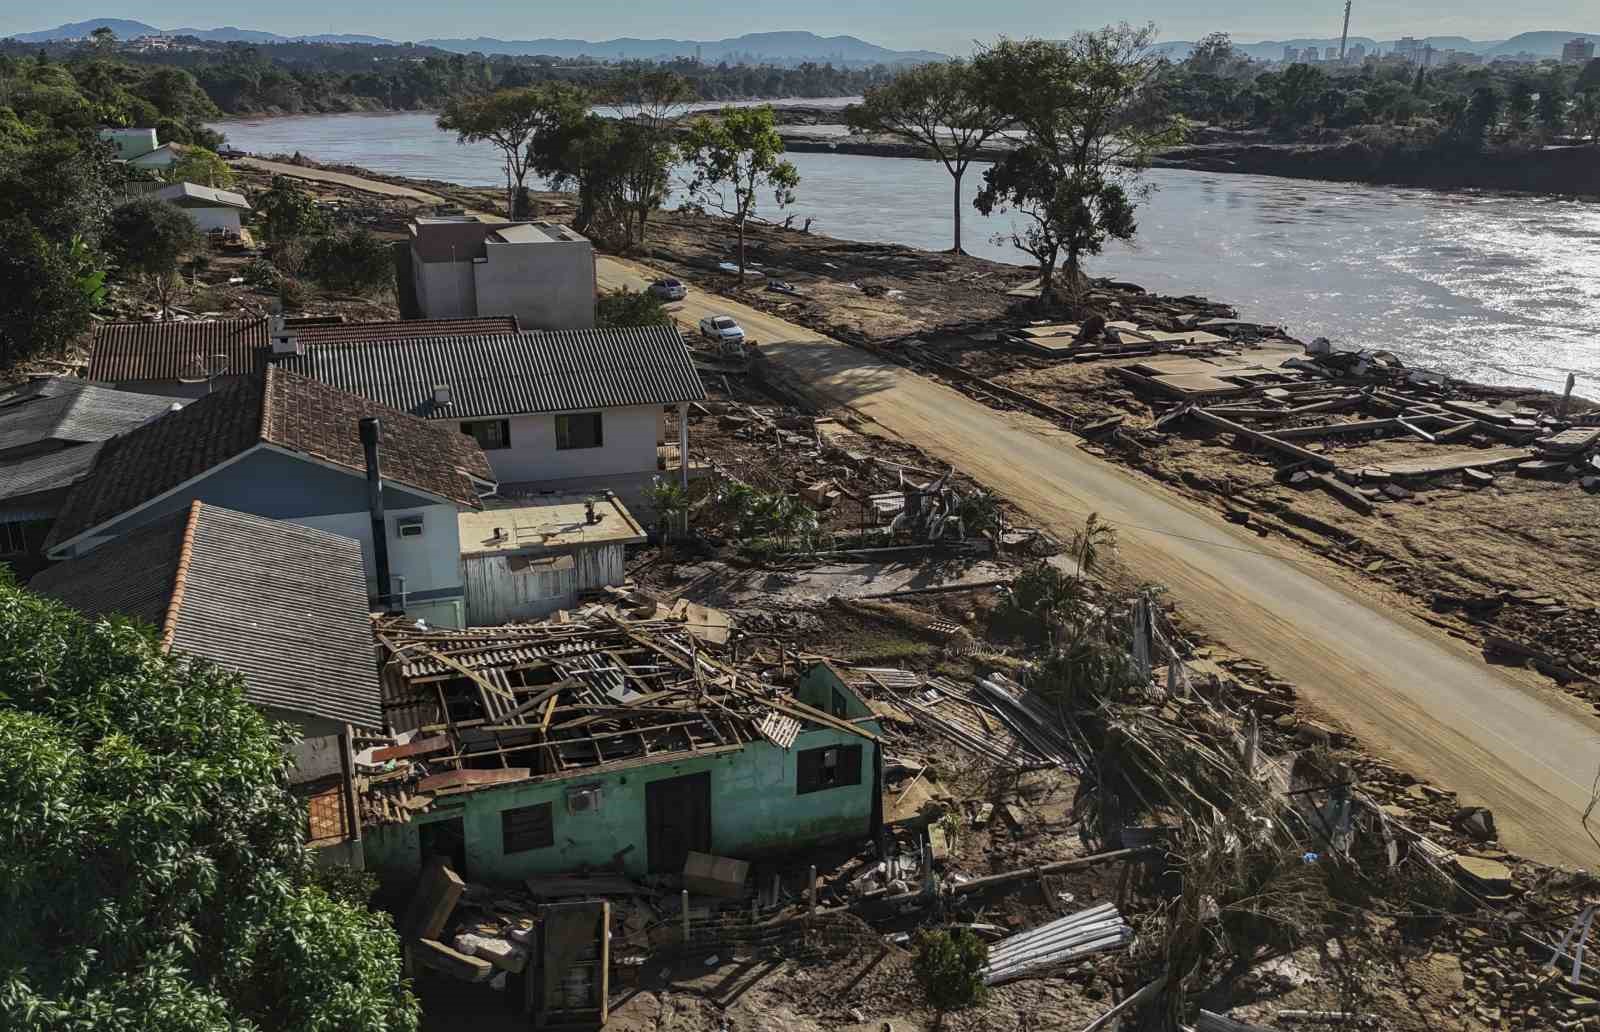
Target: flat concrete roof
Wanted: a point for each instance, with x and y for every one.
(536, 233)
(546, 523)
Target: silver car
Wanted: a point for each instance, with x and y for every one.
(669, 290)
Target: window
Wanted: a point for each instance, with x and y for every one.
(833, 766)
(579, 430)
(527, 827)
(408, 527)
(491, 434)
(13, 538)
(841, 706)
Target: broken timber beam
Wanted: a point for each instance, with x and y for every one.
(1310, 458)
(1078, 864)
(1344, 492)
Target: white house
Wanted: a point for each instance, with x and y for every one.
(285, 447)
(140, 148)
(209, 207)
(540, 272)
(578, 411)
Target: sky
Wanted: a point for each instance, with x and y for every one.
(949, 26)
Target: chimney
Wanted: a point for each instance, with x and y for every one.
(284, 341)
(441, 395)
(371, 431)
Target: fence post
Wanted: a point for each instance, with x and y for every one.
(811, 890)
(686, 918)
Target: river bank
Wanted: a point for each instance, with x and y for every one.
(1568, 171)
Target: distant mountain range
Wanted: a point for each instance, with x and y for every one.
(756, 47)
(1540, 44)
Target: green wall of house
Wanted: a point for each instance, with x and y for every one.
(755, 809)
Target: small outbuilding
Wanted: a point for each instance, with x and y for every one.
(525, 558)
(210, 208)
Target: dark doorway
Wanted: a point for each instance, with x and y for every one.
(677, 820)
(447, 840)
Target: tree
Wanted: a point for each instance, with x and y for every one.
(103, 38)
(1093, 111)
(1589, 78)
(154, 868)
(149, 237)
(1483, 113)
(742, 151)
(1552, 107)
(660, 96)
(1519, 108)
(288, 212)
(940, 106)
(47, 293)
(355, 260)
(1215, 55)
(948, 965)
(1586, 113)
(630, 308)
(202, 166)
(514, 121)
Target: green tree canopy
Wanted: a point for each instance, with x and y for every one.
(152, 864)
(739, 150)
(1093, 109)
(201, 166)
(515, 121)
(288, 212)
(940, 106)
(148, 238)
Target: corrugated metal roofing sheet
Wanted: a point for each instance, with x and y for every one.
(183, 350)
(48, 472)
(67, 409)
(514, 373)
(282, 604)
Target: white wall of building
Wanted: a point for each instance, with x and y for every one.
(546, 285)
(207, 219)
(629, 435)
(446, 290)
(429, 563)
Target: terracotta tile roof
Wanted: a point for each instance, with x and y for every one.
(279, 408)
(181, 350)
(282, 604)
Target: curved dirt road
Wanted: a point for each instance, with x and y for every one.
(1408, 693)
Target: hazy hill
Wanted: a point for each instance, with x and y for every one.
(771, 47)
(777, 47)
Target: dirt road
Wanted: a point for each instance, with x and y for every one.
(319, 175)
(1432, 707)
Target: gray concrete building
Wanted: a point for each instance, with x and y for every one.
(540, 272)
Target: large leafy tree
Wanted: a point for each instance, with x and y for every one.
(148, 238)
(152, 866)
(940, 106)
(656, 98)
(1093, 111)
(514, 121)
(201, 166)
(739, 150)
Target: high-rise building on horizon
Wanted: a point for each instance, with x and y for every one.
(1577, 51)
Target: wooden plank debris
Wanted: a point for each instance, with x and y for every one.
(436, 955)
(438, 891)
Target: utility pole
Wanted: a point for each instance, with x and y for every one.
(1344, 37)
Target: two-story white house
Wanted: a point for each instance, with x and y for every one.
(287, 447)
(140, 148)
(580, 411)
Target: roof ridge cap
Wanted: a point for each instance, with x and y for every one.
(268, 379)
(180, 579)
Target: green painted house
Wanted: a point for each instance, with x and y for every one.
(751, 797)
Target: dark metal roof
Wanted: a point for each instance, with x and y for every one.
(60, 408)
(278, 408)
(282, 604)
(48, 472)
(182, 350)
(513, 373)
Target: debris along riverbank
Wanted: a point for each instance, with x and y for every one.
(1508, 566)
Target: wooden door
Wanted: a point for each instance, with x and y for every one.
(677, 817)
